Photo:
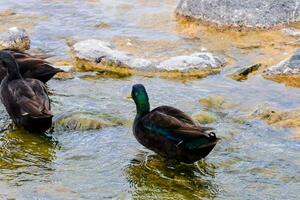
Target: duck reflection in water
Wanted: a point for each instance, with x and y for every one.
(24, 155)
(153, 177)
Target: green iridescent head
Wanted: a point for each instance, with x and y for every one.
(140, 97)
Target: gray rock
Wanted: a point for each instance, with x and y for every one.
(103, 53)
(15, 38)
(243, 73)
(198, 61)
(98, 51)
(290, 66)
(246, 13)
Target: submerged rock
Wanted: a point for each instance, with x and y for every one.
(242, 74)
(263, 112)
(216, 102)
(103, 25)
(285, 119)
(236, 13)
(15, 38)
(97, 55)
(68, 72)
(64, 75)
(84, 121)
(287, 71)
(4, 13)
(204, 118)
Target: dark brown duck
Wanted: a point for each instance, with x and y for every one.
(170, 132)
(30, 66)
(25, 100)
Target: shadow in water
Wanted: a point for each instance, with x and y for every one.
(152, 177)
(24, 155)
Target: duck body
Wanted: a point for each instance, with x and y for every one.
(30, 66)
(25, 100)
(172, 134)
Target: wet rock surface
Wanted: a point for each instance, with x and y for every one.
(104, 54)
(278, 118)
(15, 38)
(216, 102)
(286, 67)
(204, 118)
(242, 74)
(97, 55)
(68, 71)
(202, 60)
(5, 13)
(248, 13)
(287, 71)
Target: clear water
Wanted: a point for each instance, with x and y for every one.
(252, 161)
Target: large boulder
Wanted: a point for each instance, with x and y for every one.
(237, 13)
(15, 38)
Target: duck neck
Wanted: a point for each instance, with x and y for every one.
(13, 70)
(142, 107)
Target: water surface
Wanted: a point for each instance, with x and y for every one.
(252, 161)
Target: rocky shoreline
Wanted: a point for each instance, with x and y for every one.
(241, 14)
(103, 57)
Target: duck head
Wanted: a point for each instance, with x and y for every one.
(9, 62)
(140, 97)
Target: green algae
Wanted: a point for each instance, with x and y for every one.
(115, 70)
(20, 149)
(204, 118)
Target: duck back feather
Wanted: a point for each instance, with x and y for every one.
(30, 66)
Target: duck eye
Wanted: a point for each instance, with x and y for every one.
(212, 134)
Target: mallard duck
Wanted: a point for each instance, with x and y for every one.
(30, 66)
(170, 132)
(25, 100)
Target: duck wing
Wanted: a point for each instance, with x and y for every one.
(3, 71)
(37, 68)
(20, 54)
(33, 66)
(173, 128)
(31, 97)
(174, 112)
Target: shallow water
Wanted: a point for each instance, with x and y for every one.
(252, 161)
